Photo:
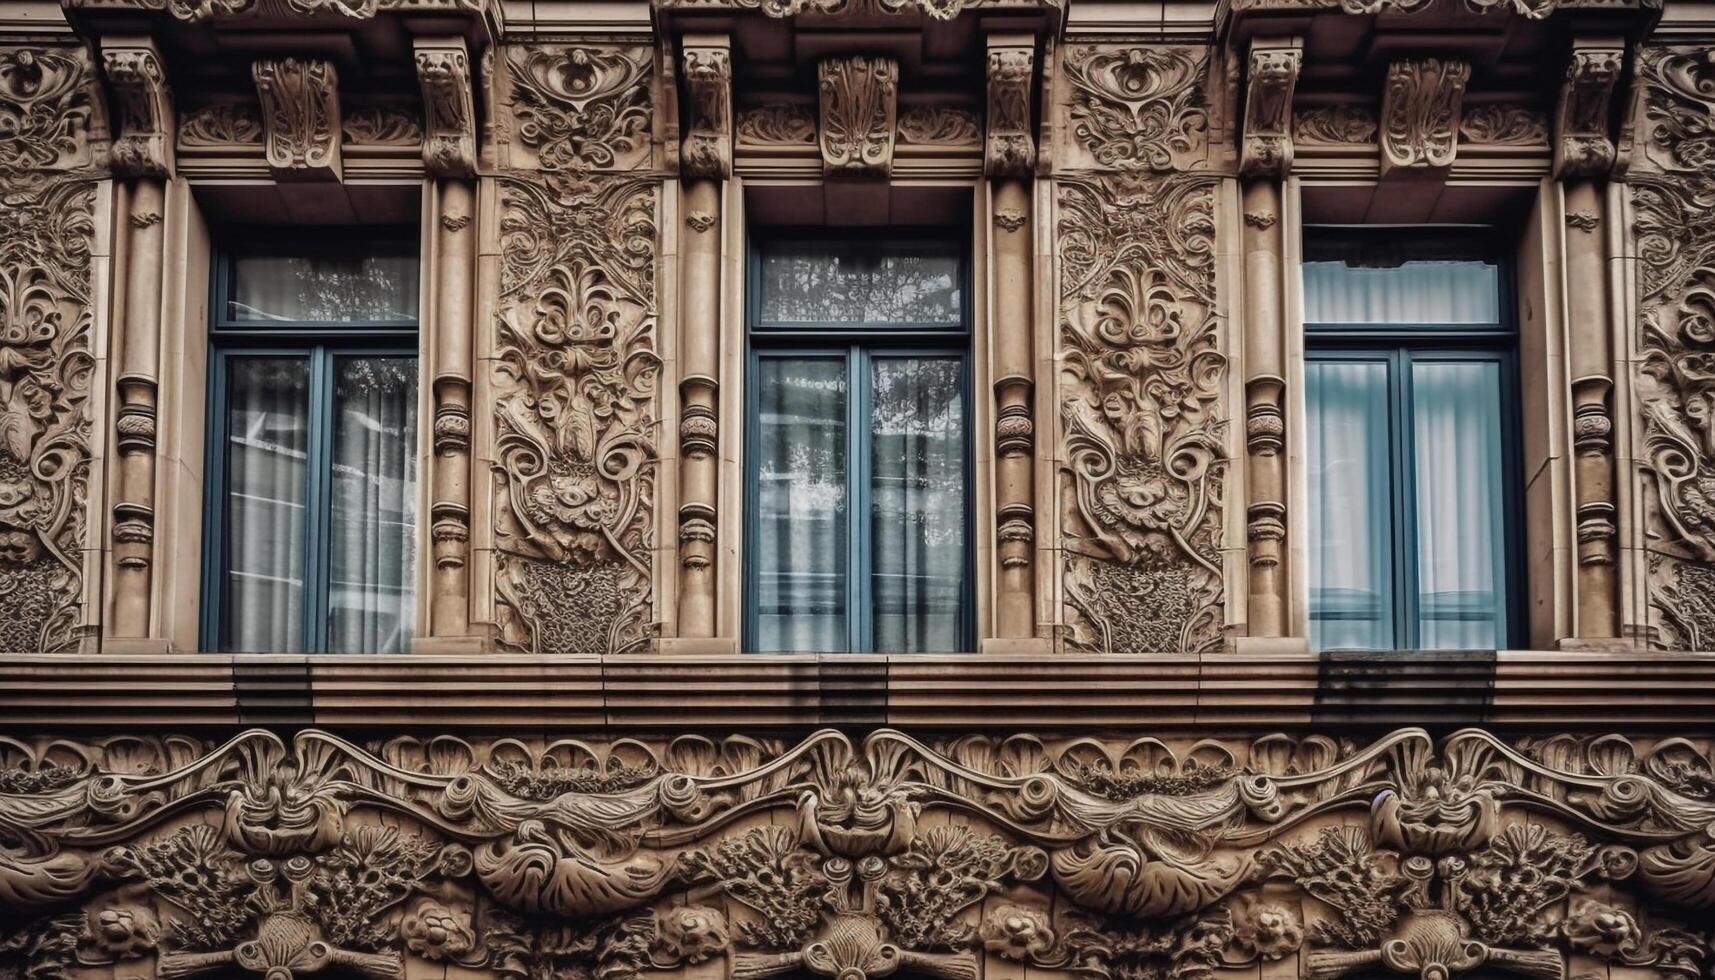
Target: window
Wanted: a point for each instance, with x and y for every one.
(312, 476)
(859, 446)
(1410, 381)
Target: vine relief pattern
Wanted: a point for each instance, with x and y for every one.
(1674, 203)
(1548, 858)
(49, 115)
(1143, 364)
(581, 107)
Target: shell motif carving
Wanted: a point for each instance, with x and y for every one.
(525, 858)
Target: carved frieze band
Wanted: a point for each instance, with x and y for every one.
(955, 858)
(1582, 145)
(1420, 113)
(144, 144)
(300, 117)
(707, 146)
(1673, 206)
(859, 104)
(215, 10)
(1267, 146)
(1143, 364)
(449, 115)
(935, 9)
(1009, 149)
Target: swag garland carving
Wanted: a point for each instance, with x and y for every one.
(1673, 202)
(1099, 859)
(575, 388)
(1143, 367)
(48, 115)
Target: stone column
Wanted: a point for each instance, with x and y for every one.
(1266, 157)
(1008, 160)
(705, 162)
(1583, 155)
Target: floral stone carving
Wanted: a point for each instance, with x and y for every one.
(531, 858)
(582, 107)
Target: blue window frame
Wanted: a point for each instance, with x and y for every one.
(858, 445)
(1411, 389)
(311, 488)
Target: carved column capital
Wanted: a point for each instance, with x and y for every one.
(859, 102)
(706, 150)
(1420, 113)
(1581, 144)
(144, 146)
(300, 117)
(1273, 74)
(1010, 150)
(449, 115)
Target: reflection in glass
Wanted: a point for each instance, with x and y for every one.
(917, 488)
(1351, 532)
(372, 531)
(915, 284)
(1417, 292)
(801, 505)
(267, 425)
(328, 288)
(1456, 408)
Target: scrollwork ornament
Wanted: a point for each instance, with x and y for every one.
(1421, 113)
(300, 115)
(582, 107)
(859, 103)
(1140, 108)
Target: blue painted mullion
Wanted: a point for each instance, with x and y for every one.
(1409, 633)
(860, 615)
(318, 471)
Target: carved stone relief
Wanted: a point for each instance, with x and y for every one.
(1532, 9)
(144, 144)
(1503, 124)
(1673, 202)
(777, 126)
(300, 117)
(204, 10)
(374, 125)
(857, 123)
(582, 107)
(938, 126)
(1267, 147)
(951, 859)
(1582, 147)
(48, 106)
(1420, 113)
(936, 9)
(449, 115)
(1143, 362)
(221, 124)
(1010, 150)
(707, 147)
(1334, 125)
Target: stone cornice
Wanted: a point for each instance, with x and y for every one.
(643, 692)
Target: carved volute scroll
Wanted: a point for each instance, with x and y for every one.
(1673, 203)
(300, 117)
(706, 149)
(859, 103)
(449, 116)
(1273, 74)
(1009, 149)
(581, 107)
(1143, 364)
(1420, 113)
(144, 143)
(1582, 146)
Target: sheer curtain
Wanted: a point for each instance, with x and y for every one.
(1460, 532)
(1441, 291)
(801, 533)
(1351, 505)
(373, 517)
(324, 288)
(917, 489)
(267, 439)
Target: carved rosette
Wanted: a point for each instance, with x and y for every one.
(1582, 147)
(300, 117)
(1009, 149)
(521, 857)
(1420, 113)
(1267, 146)
(706, 150)
(449, 116)
(144, 145)
(582, 107)
(859, 103)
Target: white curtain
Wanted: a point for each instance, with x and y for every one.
(1413, 292)
(1351, 506)
(373, 498)
(324, 289)
(267, 439)
(1460, 529)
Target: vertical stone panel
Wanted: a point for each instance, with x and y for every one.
(47, 231)
(1142, 369)
(1673, 203)
(576, 364)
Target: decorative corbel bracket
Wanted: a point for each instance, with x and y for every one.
(1009, 149)
(449, 114)
(1273, 74)
(300, 117)
(144, 147)
(1581, 144)
(1420, 113)
(706, 150)
(859, 107)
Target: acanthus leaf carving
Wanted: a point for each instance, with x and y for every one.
(144, 145)
(1582, 146)
(1503, 124)
(1139, 108)
(857, 125)
(1273, 75)
(48, 108)
(221, 124)
(938, 126)
(777, 126)
(449, 113)
(300, 117)
(1420, 113)
(706, 150)
(1009, 148)
(582, 107)
(1334, 125)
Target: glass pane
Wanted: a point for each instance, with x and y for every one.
(1351, 510)
(331, 288)
(1414, 292)
(1461, 540)
(801, 505)
(917, 492)
(267, 425)
(861, 282)
(372, 546)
